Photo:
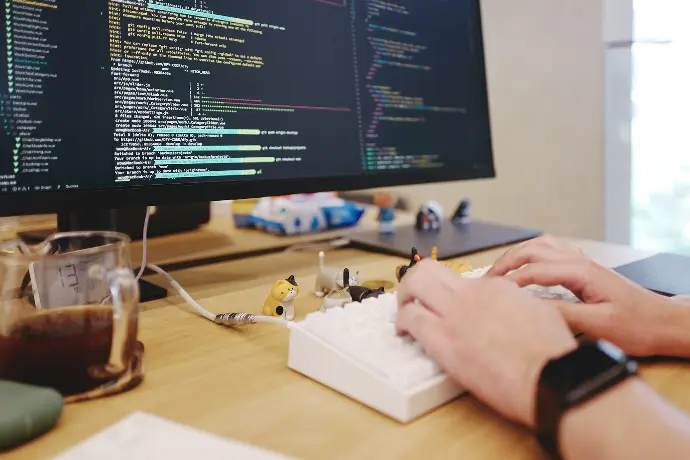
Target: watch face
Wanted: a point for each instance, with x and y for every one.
(591, 362)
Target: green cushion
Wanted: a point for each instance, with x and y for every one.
(26, 412)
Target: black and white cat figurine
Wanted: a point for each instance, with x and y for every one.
(359, 293)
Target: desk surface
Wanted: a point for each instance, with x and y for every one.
(219, 239)
(235, 383)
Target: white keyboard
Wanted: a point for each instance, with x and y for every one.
(356, 351)
(544, 292)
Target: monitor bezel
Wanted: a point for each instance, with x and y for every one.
(26, 203)
(50, 202)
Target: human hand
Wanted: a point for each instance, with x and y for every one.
(542, 249)
(487, 334)
(639, 321)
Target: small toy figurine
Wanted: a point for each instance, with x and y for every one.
(402, 269)
(359, 293)
(338, 296)
(281, 301)
(386, 202)
(430, 216)
(462, 267)
(330, 278)
(462, 214)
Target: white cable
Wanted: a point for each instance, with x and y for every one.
(144, 243)
(336, 243)
(270, 320)
(247, 318)
(205, 313)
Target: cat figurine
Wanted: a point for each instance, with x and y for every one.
(339, 296)
(330, 278)
(429, 217)
(359, 293)
(281, 301)
(400, 270)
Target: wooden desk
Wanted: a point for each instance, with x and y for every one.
(236, 383)
(219, 239)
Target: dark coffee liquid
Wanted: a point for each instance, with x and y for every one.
(58, 348)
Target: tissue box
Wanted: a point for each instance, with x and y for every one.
(242, 210)
(300, 214)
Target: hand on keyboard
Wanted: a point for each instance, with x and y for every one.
(542, 249)
(489, 335)
(356, 350)
(613, 308)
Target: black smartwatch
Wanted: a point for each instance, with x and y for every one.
(591, 369)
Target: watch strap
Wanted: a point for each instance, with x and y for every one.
(558, 393)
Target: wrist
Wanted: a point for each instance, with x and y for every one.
(670, 336)
(533, 373)
(596, 414)
(680, 300)
(602, 402)
(574, 380)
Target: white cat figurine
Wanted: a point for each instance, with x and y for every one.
(330, 278)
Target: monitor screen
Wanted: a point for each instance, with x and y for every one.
(108, 95)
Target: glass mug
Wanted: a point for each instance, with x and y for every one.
(69, 310)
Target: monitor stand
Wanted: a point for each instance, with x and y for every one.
(451, 240)
(96, 219)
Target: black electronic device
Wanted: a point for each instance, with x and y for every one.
(663, 273)
(251, 99)
(570, 380)
(164, 220)
(451, 239)
(235, 100)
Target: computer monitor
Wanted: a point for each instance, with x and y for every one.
(114, 103)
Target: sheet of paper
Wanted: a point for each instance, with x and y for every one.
(142, 436)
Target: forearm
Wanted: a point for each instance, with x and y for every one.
(672, 333)
(680, 299)
(629, 421)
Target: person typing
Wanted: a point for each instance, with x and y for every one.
(517, 354)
